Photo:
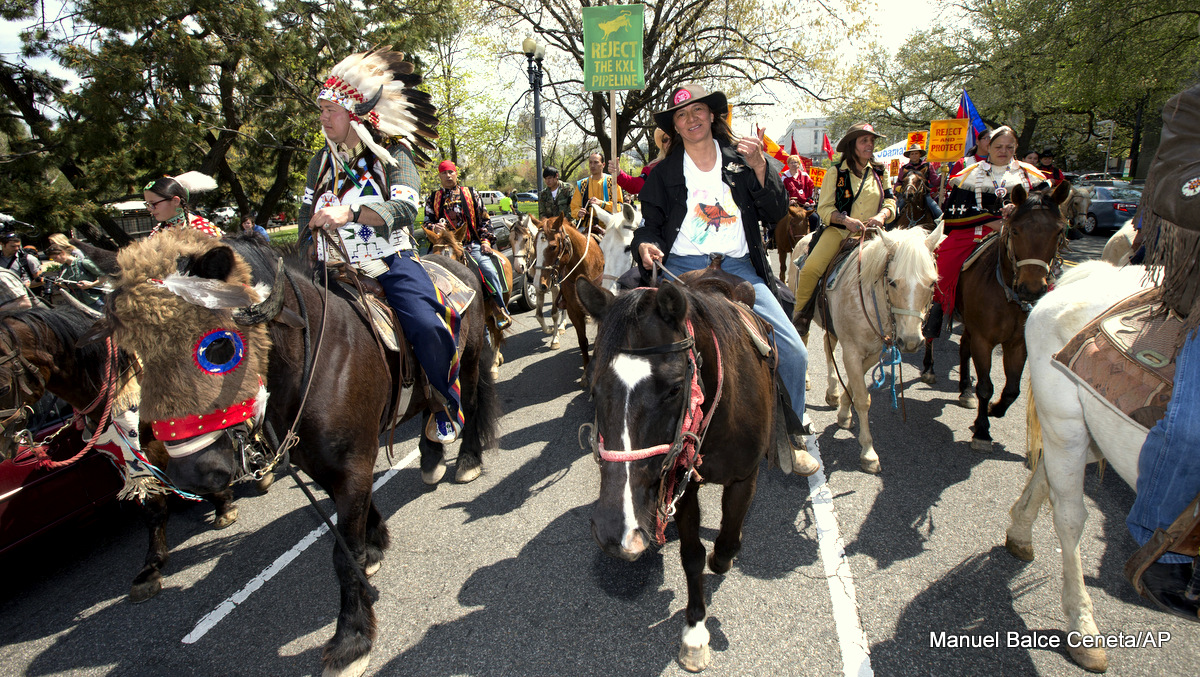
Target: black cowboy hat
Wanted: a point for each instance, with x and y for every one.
(856, 130)
(689, 94)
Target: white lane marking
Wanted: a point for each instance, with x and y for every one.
(856, 653)
(225, 608)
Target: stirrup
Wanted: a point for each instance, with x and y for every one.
(439, 428)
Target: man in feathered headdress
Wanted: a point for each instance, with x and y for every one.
(362, 188)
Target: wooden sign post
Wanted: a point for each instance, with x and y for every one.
(948, 143)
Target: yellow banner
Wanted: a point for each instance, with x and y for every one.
(817, 174)
(894, 167)
(948, 139)
(916, 139)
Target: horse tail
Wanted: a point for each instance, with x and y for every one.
(487, 412)
(1033, 434)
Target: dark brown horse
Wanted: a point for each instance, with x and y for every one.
(49, 341)
(788, 232)
(914, 188)
(221, 365)
(571, 255)
(996, 294)
(656, 351)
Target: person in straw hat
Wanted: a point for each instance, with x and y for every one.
(859, 198)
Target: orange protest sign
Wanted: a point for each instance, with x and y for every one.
(817, 174)
(915, 139)
(894, 167)
(948, 139)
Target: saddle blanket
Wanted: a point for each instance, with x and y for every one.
(1126, 357)
(456, 292)
(980, 248)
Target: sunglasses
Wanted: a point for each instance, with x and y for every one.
(155, 203)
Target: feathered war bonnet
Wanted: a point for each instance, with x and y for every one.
(379, 88)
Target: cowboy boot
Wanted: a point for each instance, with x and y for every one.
(803, 463)
(804, 318)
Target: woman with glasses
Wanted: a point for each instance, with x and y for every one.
(167, 201)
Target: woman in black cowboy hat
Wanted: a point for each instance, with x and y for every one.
(709, 196)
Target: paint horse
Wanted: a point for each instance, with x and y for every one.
(528, 238)
(225, 362)
(875, 310)
(683, 398)
(446, 242)
(571, 255)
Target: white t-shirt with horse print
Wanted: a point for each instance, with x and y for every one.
(713, 221)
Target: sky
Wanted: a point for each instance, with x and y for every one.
(894, 21)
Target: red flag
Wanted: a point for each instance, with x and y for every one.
(794, 151)
(826, 146)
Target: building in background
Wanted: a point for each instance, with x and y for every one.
(807, 133)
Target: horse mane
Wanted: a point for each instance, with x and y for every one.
(1039, 197)
(627, 310)
(909, 253)
(67, 325)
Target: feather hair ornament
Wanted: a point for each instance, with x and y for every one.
(195, 182)
(208, 293)
(379, 88)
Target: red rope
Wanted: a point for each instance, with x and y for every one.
(108, 392)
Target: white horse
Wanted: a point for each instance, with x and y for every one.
(1075, 429)
(1119, 247)
(890, 297)
(618, 235)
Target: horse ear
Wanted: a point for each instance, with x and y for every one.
(672, 304)
(1019, 195)
(430, 234)
(596, 300)
(1062, 193)
(630, 215)
(460, 233)
(934, 238)
(215, 264)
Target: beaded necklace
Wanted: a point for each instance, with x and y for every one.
(1000, 189)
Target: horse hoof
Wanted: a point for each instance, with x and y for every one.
(718, 565)
(265, 483)
(968, 402)
(1090, 659)
(141, 592)
(928, 377)
(869, 465)
(434, 476)
(554, 345)
(465, 474)
(354, 669)
(694, 658)
(1021, 552)
(833, 400)
(845, 424)
(373, 568)
(226, 519)
(981, 445)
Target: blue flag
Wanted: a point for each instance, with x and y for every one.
(966, 109)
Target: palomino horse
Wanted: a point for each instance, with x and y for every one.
(995, 295)
(880, 302)
(788, 233)
(571, 255)
(48, 342)
(206, 385)
(914, 189)
(1076, 428)
(1119, 247)
(618, 236)
(446, 242)
(665, 359)
(528, 238)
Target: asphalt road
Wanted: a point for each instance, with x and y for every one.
(501, 576)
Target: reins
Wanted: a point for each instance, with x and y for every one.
(1015, 264)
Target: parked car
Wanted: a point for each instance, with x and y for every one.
(1111, 206)
(33, 500)
(490, 197)
(223, 216)
(527, 197)
(523, 294)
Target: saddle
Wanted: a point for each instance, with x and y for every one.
(827, 283)
(988, 240)
(1126, 357)
(741, 292)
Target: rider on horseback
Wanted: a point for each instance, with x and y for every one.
(365, 196)
(860, 199)
(801, 189)
(454, 206)
(916, 163)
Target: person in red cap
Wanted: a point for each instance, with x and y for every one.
(453, 206)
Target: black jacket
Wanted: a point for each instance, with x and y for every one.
(664, 204)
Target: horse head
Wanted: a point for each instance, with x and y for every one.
(901, 263)
(642, 368)
(1033, 235)
(184, 304)
(914, 187)
(524, 244)
(446, 242)
(21, 385)
(558, 250)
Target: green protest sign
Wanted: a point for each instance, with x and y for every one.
(612, 48)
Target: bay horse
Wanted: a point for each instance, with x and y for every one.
(662, 355)
(52, 342)
(527, 236)
(448, 243)
(996, 294)
(881, 300)
(1076, 428)
(915, 187)
(571, 255)
(224, 362)
(788, 232)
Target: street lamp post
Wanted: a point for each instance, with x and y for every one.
(534, 52)
(1111, 124)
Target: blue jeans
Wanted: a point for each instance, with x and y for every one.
(1169, 465)
(793, 356)
(490, 275)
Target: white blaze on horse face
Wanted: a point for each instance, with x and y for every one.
(630, 370)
